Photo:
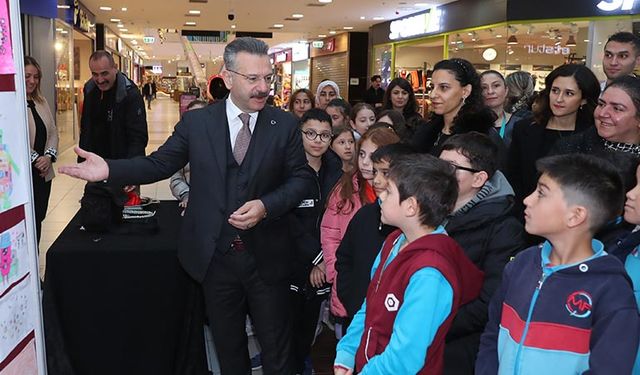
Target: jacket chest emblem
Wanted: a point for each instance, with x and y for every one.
(391, 302)
(579, 304)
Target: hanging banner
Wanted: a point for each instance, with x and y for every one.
(6, 52)
(14, 188)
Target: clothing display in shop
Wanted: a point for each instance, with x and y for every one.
(417, 78)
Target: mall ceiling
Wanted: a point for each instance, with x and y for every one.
(288, 20)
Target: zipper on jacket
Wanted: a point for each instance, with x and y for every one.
(366, 344)
(319, 216)
(534, 298)
(384, 266)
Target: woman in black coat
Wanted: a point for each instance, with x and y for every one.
(458, 107)
(565, 107)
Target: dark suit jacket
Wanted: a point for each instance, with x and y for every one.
(278, 176)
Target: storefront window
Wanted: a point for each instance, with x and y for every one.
(64, 85)
(485, 48)
(382, 63)
(414, 62)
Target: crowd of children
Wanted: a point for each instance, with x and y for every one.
(431, 260)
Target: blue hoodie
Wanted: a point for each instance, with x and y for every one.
(565, 319)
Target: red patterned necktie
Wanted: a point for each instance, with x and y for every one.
(243, 139)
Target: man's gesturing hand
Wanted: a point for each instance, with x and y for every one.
(93, 168)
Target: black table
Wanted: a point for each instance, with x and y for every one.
(121, 303)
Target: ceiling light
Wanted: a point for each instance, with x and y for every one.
(115, 20)
(348, 27)
(105, 8)
(64, 32)
(498, 35)
(362, 17)
(120, 25)
(297, 15)
(378, 18)
(59, 29)
(512, 40)
(422, 5)
(194, 12)
(124, 9)
(325, 1)
(124, 30)
(189, 23)
(332, 32)
(233, 26)
(571, 42)
(64, 6)
(134, 42)
(278, 25)
(322, 35)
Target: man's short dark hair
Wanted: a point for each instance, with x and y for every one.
(345, 108)
(626, 37)
(588, 181)
(390, 152)
(375, 77)
(249, 45)
(431, 181)
(478, 148)
(102, 54)
(315, 114)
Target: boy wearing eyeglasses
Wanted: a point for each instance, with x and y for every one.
(308, 285)
(481, 223)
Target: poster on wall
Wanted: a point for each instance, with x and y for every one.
(14, 178)
(6, 52)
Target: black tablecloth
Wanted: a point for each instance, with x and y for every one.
(121, 303)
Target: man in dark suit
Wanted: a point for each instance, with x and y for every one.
(235, 237)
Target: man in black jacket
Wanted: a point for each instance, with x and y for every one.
(375, 93)
(248, 171)
(114, 122)
(481, 223)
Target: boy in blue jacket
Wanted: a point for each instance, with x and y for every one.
(419, 279)
(566, 306)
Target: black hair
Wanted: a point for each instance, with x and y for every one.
(390, 152)
(375, 77)
(431, 181)
(217, 88)
(409, 110)
(491, 71)
(625, 37)
(315, 114)
(195, 103)
(481, 151)
(588, 181)
(631, 86)
(587, 83)
(345, 108)
(473, 115)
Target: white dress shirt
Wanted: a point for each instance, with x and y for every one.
(235, 124)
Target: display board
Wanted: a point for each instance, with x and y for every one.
(21, 333)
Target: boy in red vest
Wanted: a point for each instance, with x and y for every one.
(419, 279)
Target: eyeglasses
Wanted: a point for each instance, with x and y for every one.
(461, 168)
(312, 135)
(254, 78)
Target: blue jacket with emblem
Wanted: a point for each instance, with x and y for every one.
(568, 319)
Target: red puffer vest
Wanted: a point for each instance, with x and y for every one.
(386, 293)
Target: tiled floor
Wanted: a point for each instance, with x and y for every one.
(65, 202)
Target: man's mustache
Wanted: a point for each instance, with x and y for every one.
(260, 95)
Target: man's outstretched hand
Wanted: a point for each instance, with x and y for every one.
(93, 168)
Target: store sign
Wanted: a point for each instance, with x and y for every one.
(317, 44)
(614, 5)
(148, 39)
(300, 52)
(283, 56)
(81, 18)
(544, 49)
(157, 69)
(425, 23)
(330, 45)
